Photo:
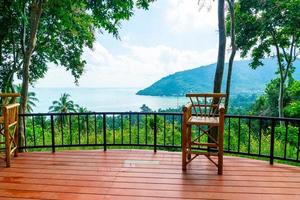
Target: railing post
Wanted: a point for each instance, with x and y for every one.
(272, 142)
(104, 132)
(52, 134)
(155, 132)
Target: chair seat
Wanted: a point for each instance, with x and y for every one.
(211, 121)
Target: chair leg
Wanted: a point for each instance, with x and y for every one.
(189, 141)
(16, 138)
(184, 142)
(220, 150)
(7, 148)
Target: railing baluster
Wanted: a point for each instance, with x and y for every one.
(164, 130)
(95, 127)
(260, 133)
(122, 131)
(138, 128)
(272, 142)
(43, 130)
(104, 132)
(33, 130)
(298, 142)
(155, 132)
(239, 134)
(78, 120)
(129, 118)
(146, 127)
(286, 138)
(173, 131)
(70, 129)
(228, 147)
(87, 129)
(62, 129)
(249, 135)
(114, 139)
(52, 134)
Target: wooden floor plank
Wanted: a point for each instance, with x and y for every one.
(140, 174)
(149, 169)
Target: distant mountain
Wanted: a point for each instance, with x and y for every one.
(244, 79)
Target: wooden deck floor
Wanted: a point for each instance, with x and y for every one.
(136, 174)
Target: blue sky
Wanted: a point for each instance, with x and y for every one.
(173, 35)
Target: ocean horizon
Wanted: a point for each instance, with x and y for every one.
(105, 99)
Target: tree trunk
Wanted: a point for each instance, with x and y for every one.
(221, 58)
(221, 49)
(233, 52)
(280, 98)
(1, 51)
(35, 14)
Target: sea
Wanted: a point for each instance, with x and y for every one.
(105, 99)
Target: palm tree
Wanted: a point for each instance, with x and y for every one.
(31, 99)
(81, 109)
(63, 105)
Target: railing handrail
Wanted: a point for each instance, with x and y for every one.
(263, 117)
(101, 113)
(158, 113)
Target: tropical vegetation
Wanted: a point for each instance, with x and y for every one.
(34, 33)
(270, 28)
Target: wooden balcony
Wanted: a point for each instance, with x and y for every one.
(142, 174)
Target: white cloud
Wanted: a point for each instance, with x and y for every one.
(139, 67)
(188, 15)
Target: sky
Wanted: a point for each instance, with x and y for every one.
(173, 35)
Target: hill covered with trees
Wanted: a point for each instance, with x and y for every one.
(245, 80)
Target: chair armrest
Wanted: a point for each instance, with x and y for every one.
(10, 95)
(187, 107)
(10, 106)
(221, 107)
(222, 110)
(187, 112)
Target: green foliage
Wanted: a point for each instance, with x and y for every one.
(241, 103)
(63, 105)
(65, 28)
(81, 109)
(32, 99)
(293, 109)
(270, 28)
(267, 104)
(262, 24)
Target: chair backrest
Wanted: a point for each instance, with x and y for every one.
(7, 98)
(10, 114)
(206, 105)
